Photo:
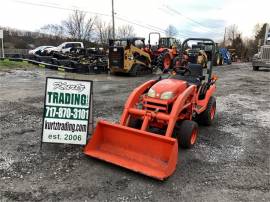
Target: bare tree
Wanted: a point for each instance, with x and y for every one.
(103, 31)
(232, 32)
(125, 31)
(79, 26)
(260, 33)
(53, 29)
(171, 31)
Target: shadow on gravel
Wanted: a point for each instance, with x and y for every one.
(263, 70)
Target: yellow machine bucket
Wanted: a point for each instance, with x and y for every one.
(137, 150)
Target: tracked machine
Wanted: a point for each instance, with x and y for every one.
(158, 116)
(127, 55)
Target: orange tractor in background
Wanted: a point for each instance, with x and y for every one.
(163, 52)
(158, 116)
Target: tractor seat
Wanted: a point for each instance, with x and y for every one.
(196, 70)
(195, 76)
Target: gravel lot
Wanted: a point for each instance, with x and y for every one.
(231, 161)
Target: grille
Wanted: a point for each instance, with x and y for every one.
(266, 53)
(155, 106)
(116, 57)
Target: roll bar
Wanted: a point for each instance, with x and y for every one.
(153, 33)
(213, 52)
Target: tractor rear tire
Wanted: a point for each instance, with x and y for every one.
(207, 117)
(221, 61)
(218, 60)
(187, 133)
(160, 60)
(255, 68)
(135, 123)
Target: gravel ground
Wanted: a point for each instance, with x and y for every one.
(230, 162)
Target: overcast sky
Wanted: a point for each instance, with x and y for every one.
(192, 18)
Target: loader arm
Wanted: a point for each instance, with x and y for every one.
(178, 106)
(134, 98)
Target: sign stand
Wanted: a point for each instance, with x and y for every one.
(67, 111)
(2, 39)
(91, 111)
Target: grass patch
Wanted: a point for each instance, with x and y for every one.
(7, 64)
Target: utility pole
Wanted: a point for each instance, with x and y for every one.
(113, 19)
(3, 53)
(224, 37)
(2, 39)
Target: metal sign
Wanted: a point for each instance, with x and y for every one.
(1, 34)
(67, 110)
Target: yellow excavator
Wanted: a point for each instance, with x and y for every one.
(129, 56)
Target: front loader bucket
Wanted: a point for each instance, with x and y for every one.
(140, 151)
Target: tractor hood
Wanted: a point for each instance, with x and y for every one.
(168, 85)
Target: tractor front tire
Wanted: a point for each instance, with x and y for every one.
(187, 133)
(255, 68)
(207, 117)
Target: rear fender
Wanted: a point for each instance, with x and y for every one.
(203, 103)
(134, 98)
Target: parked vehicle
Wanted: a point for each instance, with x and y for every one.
(218, 59)
(262, 58)
(164, 52)
(226, 55)
(197, 55)
(65, 47)
(127, 55)
(39, 50)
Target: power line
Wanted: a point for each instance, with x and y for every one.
(190, 19)
(149, 27)
(167, 11)
(58, 7)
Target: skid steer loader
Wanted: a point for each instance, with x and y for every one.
(127, 55)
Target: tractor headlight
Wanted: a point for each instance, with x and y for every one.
(151, 93)
(167, 95)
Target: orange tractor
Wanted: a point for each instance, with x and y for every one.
(158, 116)
(163, 53)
